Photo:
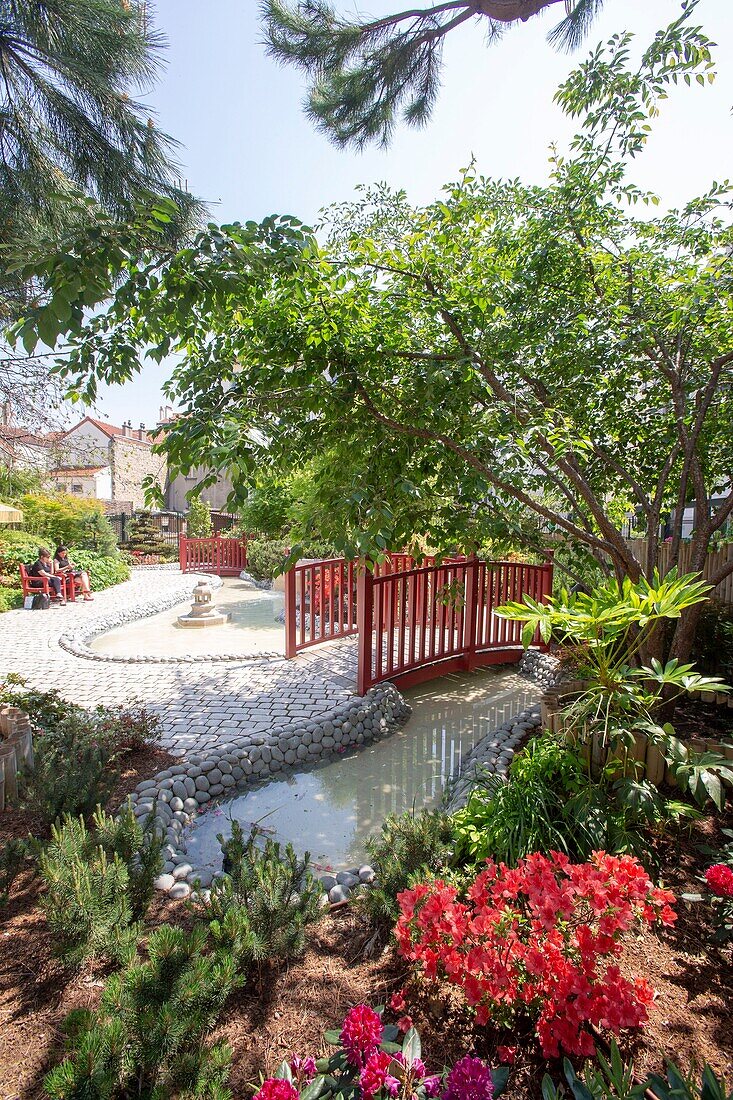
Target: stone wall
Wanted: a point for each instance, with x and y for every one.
(132, 461)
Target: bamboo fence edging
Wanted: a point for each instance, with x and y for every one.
(554, 718)
(16, 751)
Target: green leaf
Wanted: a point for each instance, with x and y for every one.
(500, 1079)
(333, 1037)
(411, 1046)
(284, 1072)
(313, 1090)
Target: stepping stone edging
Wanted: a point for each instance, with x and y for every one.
(77, 643)
(176, 794)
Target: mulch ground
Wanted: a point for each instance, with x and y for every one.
(286, 1010)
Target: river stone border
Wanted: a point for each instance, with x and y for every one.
(77, 643)
(176, 794)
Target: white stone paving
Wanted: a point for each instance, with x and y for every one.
(200, 704)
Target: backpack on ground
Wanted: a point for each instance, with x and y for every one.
(41, 602)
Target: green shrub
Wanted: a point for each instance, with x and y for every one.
(74, 521)
(129, 727)
(144, 537)
(548, 803)
(140, 849)
(408, 846)
(10, 598)
(198, 519)
(267, 508)
(16, 548)
(149, 1036)
(87, 902)
(259, 910)
(16, 482)
(44, 708)
(105, 570)
(73, 769)
(266, 558)
(611, 1079)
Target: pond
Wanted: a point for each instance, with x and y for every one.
(331, 809)
(252, 627)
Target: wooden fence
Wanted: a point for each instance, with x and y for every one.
(713, 562)
(224, 557)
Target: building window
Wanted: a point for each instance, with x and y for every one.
(61, 488)
(76, 488)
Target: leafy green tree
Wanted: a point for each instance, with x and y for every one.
(364, 74)
(198, 519)
(519, 349)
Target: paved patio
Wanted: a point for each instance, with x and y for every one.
(200, 704)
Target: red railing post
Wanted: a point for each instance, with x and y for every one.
(470, 640)
(290, 613)
(182, 554)
(364, 616)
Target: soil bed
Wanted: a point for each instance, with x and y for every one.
(288, 1009)
(693, 718)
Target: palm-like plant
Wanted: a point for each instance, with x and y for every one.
(363, 74)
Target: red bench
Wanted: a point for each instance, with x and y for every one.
(31, 586)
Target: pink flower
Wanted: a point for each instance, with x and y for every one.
(397, 1001)
(470, 1079)
(361, 1034)
(276, 1089)
(506, 1055)
(374, 1074)
(720, 880)
(432, 1085)
(302, 1069)
(404, 1023)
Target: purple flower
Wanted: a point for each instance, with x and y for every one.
(392, 1085)
(470, 1079)
(432, 1085)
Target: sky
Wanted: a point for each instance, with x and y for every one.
(247, 148)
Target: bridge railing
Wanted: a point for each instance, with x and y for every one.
(435, 619)
(225, 557)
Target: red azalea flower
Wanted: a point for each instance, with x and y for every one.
(404, 1023)
(507, 1055)
(720, 880)
(397, 1001)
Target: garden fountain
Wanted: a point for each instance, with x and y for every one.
(203, 612)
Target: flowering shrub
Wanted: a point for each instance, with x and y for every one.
(371, 1064)
(719, 881)
(538, 940)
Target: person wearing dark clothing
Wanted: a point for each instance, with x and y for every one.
(43, 567)
(63, 565)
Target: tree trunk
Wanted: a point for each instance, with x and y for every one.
(509, 11)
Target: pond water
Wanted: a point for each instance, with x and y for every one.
(332, 808)
(252, 627)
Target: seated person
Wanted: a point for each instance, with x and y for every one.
(43, 567)
(63, 565)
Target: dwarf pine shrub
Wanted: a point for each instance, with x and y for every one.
(148, 1038)
(98, 886)
(73, 769)
(408, 844)
(259, 909)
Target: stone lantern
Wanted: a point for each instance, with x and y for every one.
(203, 612)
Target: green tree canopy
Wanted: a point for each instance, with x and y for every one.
(506, 350)
(365, 73)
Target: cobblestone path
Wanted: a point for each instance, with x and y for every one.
(200, 704)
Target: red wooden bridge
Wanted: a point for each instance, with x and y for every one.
(414, 621)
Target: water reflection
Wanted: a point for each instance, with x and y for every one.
(331, 809)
